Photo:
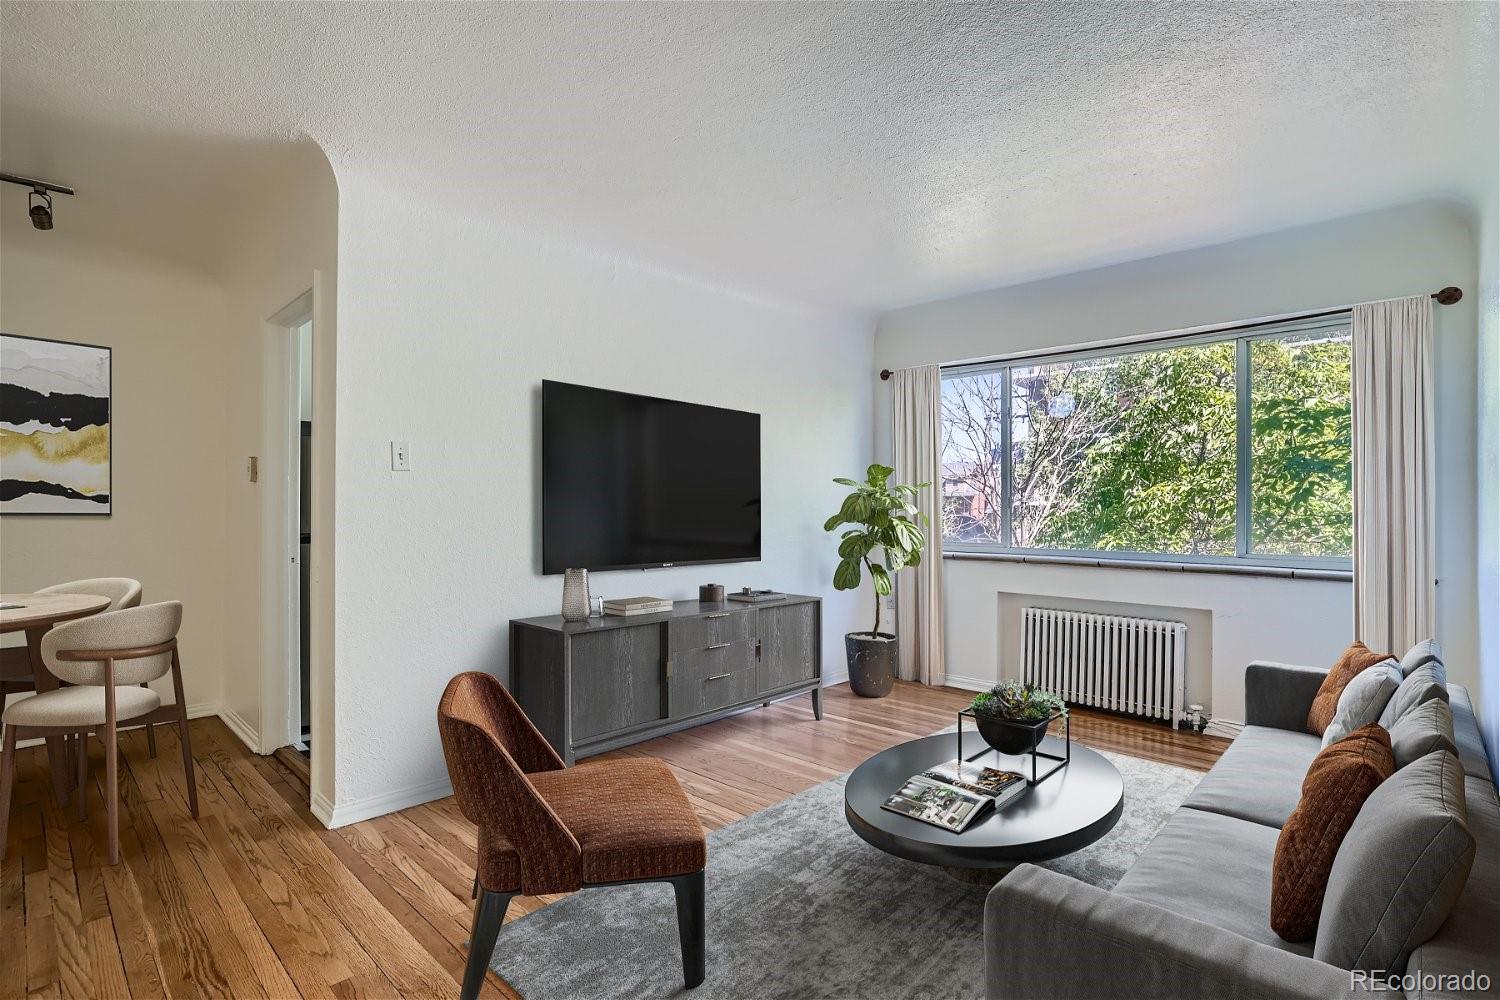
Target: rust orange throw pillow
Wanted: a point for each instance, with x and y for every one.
(1341, 777)
(1356, 658)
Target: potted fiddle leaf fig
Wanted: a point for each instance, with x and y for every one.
(885, 534)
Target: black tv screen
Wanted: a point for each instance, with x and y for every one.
(630, 482)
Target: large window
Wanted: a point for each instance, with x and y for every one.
(1234, 446)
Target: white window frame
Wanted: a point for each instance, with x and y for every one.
(1242, 336)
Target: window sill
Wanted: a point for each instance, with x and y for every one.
(1227, 569)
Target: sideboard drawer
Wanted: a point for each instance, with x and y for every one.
(711, 629)
(713, 677)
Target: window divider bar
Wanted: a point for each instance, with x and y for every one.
(1007, 457)
(1243, 452)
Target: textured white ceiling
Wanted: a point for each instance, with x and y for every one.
(861, 156)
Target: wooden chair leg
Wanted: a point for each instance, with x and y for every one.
(7, 778)
(692, 930)
(82, 791)
(150, 736)
(111, 763)
(489, 914)
(183, 738)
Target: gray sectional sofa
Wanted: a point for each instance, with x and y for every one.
(1191, 918)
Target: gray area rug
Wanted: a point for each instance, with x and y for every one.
(800, 907)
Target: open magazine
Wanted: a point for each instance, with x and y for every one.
(955, 793)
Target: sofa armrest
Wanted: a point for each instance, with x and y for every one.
(1278, 695)
(1050, 936)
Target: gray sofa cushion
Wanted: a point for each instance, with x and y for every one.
(1363, 699)
(1428, 681)
(1212, 868)
(1466, 734)
(1422, 652)
(1466, 941)
(1422, 730)
(1259, 778)
(1399, 870)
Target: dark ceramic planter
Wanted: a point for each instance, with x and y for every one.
(872, 663)
(1009, 736)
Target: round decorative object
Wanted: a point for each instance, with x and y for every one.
(1009, 736)
(575, 601)
(872, 663)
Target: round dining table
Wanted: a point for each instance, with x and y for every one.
(34, 614)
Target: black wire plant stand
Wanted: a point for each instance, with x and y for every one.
(1035, 751)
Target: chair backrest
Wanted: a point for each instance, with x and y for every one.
(122, 591)
(490, 747)
(126, 629)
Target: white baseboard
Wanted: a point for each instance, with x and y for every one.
(194, 712)
(241, 728)
(1227, 728)
(968, 683)
(322, 808)
(343, 813)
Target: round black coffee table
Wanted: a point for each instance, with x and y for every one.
(1063, 814)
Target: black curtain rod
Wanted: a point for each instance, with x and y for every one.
(1443, 297)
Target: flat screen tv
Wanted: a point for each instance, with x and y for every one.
(635, 482)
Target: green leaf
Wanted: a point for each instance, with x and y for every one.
(846, 577)
(847, 482)
(833, 522)
(876, 475)
(855, 546)
(879, 577)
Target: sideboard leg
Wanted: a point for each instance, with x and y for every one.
(817, 697)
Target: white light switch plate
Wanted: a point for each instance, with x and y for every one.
(400, 456)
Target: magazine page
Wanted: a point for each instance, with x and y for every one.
(937, 803)
(975, 777)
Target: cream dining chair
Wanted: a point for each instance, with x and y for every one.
(15, 665)
(108, 658)
(15, 662)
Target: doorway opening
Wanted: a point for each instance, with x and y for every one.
(288, 729)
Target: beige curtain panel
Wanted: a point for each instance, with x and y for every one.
(916, 422)
(1393, 474)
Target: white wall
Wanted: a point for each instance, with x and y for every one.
(448, 325)
(168, 430)
(1402, 251)
(284, 245)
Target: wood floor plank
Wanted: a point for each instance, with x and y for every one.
(12, 926)
(105, 963)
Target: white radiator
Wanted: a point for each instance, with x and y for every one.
(1132, 665)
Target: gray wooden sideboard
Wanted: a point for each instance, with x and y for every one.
(604, 683)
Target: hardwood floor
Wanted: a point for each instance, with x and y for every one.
(257, 899)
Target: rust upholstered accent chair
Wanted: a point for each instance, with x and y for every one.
(544, 828)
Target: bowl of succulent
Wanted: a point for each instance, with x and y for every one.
(1012, 717)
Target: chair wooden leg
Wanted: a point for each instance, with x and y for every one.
(692, 930)
(111, 765)
(182, 733)
(150, 736)
(7, 778)
(82, 791)
(489, 914)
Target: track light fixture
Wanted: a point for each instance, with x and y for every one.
(41, 208)
(39, 203)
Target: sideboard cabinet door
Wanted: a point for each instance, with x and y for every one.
(789, 638)
(617, 680)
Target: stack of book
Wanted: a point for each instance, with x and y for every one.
(629, 606)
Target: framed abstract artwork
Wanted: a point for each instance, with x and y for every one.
(54, 427)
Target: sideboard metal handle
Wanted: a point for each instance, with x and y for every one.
(721, 614)
(719, 645)
(717, 677)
